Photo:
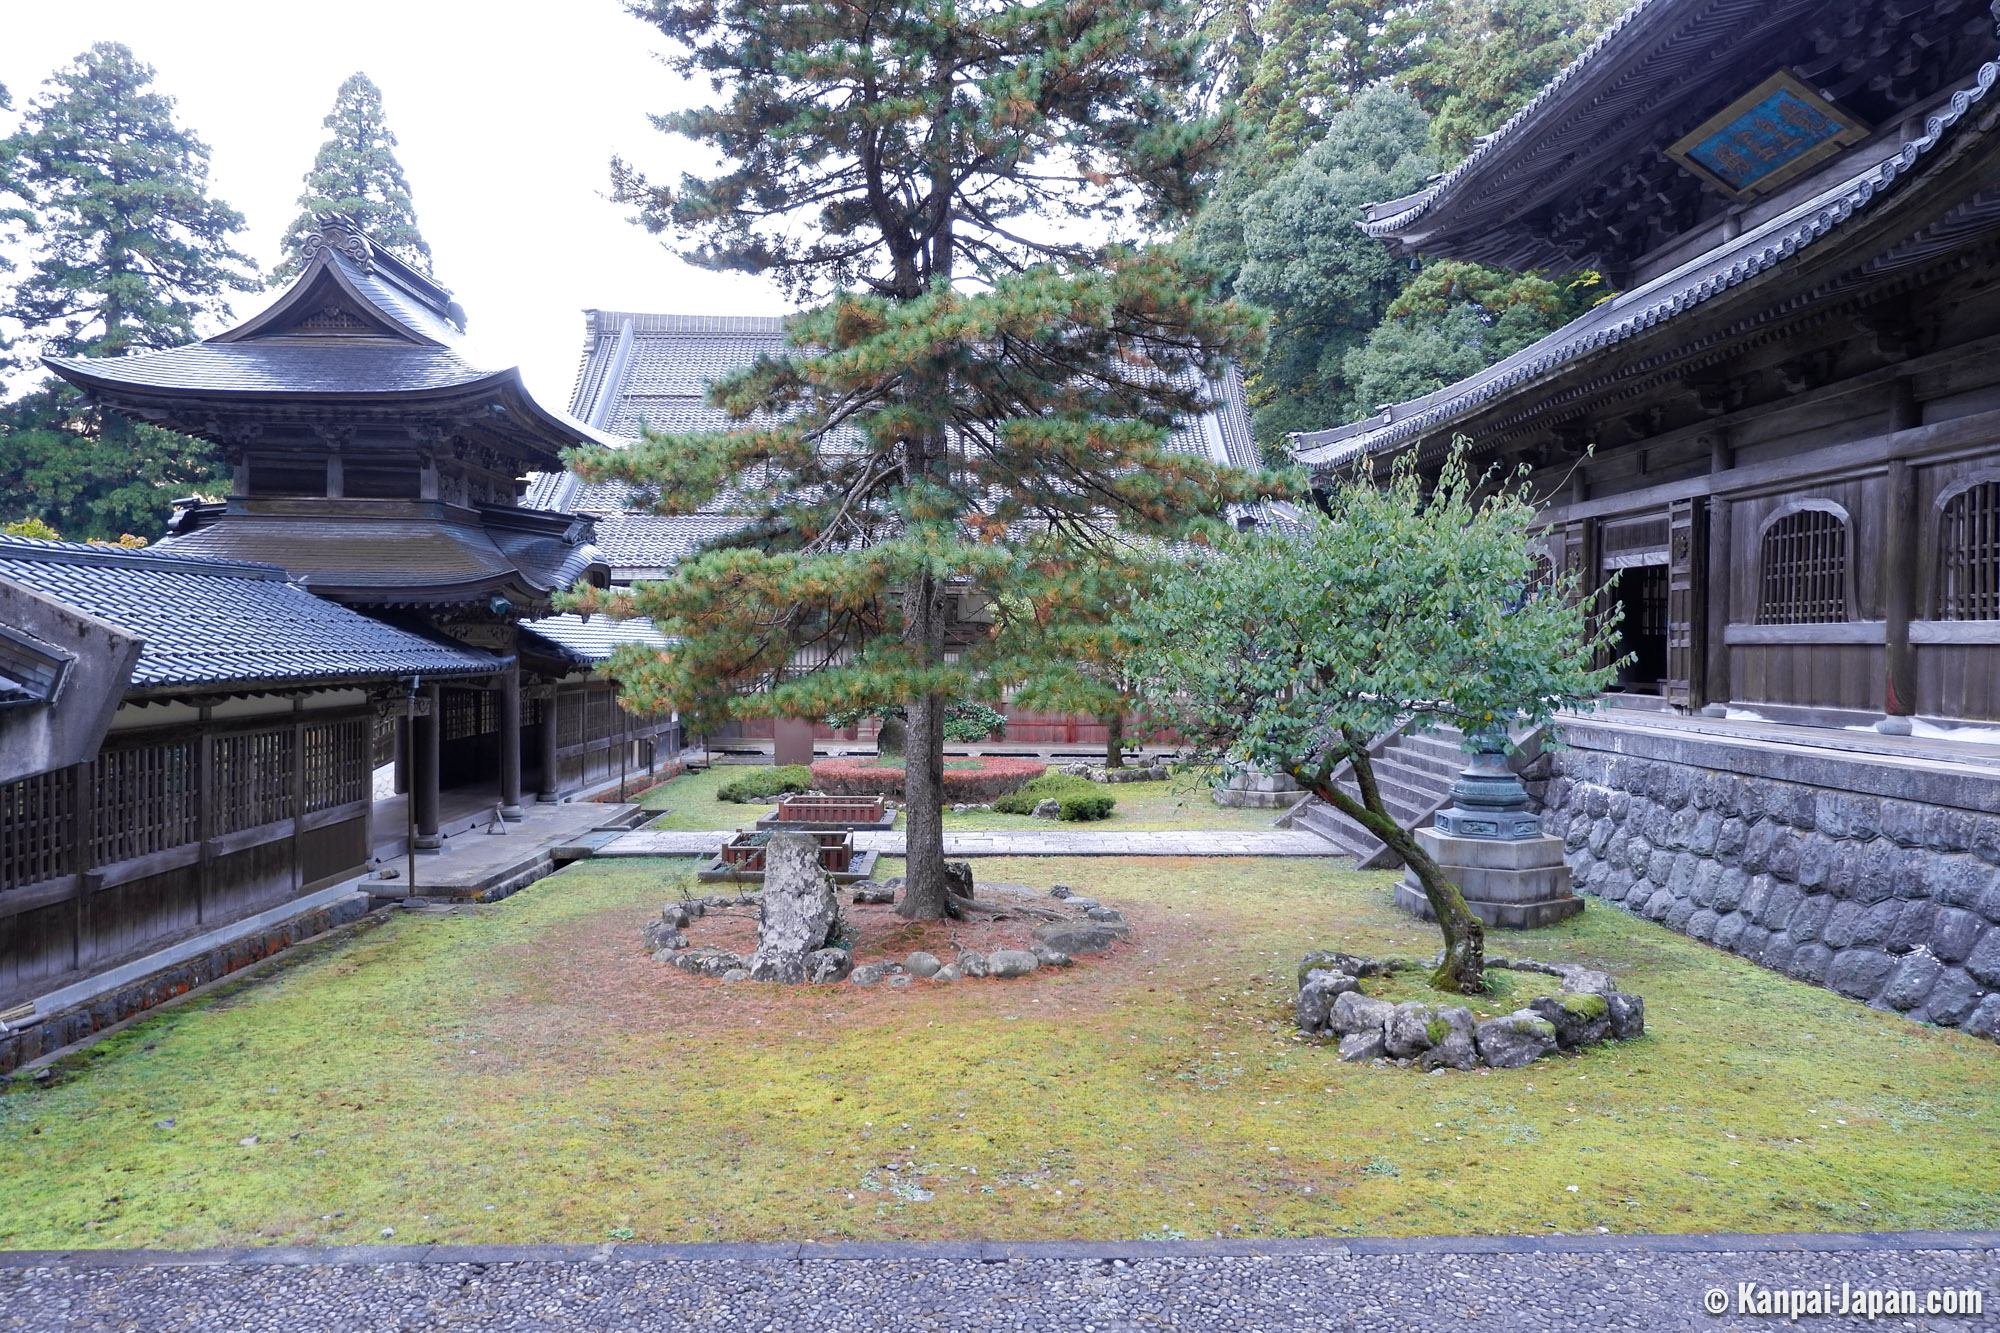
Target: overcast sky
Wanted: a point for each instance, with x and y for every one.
(508, 112)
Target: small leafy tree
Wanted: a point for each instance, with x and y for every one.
(1406, 604)
(356, 174)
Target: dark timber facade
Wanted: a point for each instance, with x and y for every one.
(366, 594)
(1783, 436)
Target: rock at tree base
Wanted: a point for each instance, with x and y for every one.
(1011, 963)
(921, 964)
(1516, 1041)
(825, 965)
(799, 908)
(1360, 1047)
(867, 974)
(1051, 957)
(1048, 809)
(737, 974)
(1333, 960)
(1317, 997)
(868, 891)
(971, 963)
(1579, 1020)
(1408, 1031)
(958, 878)
(1075, 937)
(707, 962)
(1354, 1012)
(658, 935)
(949, 972)
(1455, 1047)
(1628, 1015)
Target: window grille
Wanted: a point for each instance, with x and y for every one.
(1968, 567)
(145, 801)
(337, 768)
(35, 831)
(569, 718)
(469, 713)
(1804, 570)
(253, 779)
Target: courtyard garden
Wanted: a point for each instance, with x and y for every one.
(1180, 803)
(523, 1071)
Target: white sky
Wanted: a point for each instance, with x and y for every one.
(508, 113)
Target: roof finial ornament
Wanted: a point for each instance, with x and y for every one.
(341, 233)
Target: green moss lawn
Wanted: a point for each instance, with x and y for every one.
(520, 1072)
(1182, 803)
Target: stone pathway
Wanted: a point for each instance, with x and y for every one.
(1309, 1286)
(1032, 842)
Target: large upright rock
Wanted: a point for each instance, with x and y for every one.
(799, 908)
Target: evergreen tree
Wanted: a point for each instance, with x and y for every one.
(129, 250)
(983, 403)
(1483, 60)
(356, 173)
(127, 253)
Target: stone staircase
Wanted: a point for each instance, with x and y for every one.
(1414, 774)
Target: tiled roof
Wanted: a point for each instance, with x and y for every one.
(227, 623)
(653, 541)
(1629, 314)
(596, 638)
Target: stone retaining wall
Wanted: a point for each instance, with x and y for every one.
(1874, 877)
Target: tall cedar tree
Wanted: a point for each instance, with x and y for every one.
(356, 174)
(128, 252)
(983, 402)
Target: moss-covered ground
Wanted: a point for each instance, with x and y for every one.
(1178, 804)
(520, 1072)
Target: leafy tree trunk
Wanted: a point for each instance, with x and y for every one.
(926, 893)
(1464, 966)
(1114, 740)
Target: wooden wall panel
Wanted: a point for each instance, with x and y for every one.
(1958, 680)
(1821, 675)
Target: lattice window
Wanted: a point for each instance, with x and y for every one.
(35, 830)
(1804, 570)
(146, 799)
(1968, 567)
(337, 767)
(469, 713)
(569, 718)
(603, 715)
(253, 779)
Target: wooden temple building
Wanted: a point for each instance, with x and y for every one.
(191, 732)
(1783, 436)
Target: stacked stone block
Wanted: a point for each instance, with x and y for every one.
(1891, 901)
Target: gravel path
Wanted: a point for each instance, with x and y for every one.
(1377, 1286)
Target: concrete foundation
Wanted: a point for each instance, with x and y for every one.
(1515, 885)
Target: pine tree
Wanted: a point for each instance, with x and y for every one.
(356, 173)
(983, 403)
(128, 252)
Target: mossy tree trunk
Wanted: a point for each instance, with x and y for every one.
(1114, 740)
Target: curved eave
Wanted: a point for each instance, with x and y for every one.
(303, 682)
(1634, 313)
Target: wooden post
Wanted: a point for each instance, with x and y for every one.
(204, 798)
(1715, 685)
(298, 793)
(81, 796)
(1899, 596)
(424, 771)
(551, 783)
(510, 743)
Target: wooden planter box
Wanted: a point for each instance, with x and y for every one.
(827, 813)
(742, 857)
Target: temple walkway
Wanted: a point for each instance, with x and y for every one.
(1497, 1283)
(1024, 842)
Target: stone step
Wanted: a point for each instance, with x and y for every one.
(1408, 787)
(1425, 760)
(1316, 816)
(1402, 807)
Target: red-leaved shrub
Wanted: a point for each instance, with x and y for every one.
(974, 786)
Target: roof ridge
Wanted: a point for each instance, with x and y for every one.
(608, 322)
(84, 553)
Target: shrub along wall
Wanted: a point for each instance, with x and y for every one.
(1876, 878)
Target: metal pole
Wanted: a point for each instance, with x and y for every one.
(410, 796)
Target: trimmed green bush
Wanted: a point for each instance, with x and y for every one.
(1085, 807)
(760, 783)
(1049, 786)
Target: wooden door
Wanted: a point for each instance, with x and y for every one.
(1687, 601)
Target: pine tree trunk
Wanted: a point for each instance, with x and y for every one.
(926, 892)
(1463, 968)
(1114, 740)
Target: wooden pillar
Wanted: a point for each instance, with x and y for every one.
(1899, 571)
(510, 743)
(82, 796)
(204, 813)
(1715, 692)
(298, 794)
(424, 770)
(551, 783)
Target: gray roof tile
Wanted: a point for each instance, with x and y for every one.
(221, 622)
(595, 639)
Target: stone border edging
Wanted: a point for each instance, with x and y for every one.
(1002, 1251)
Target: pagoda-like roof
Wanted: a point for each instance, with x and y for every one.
(359, 336)
(1937, 176)
(1588, 174)
(228, 624)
